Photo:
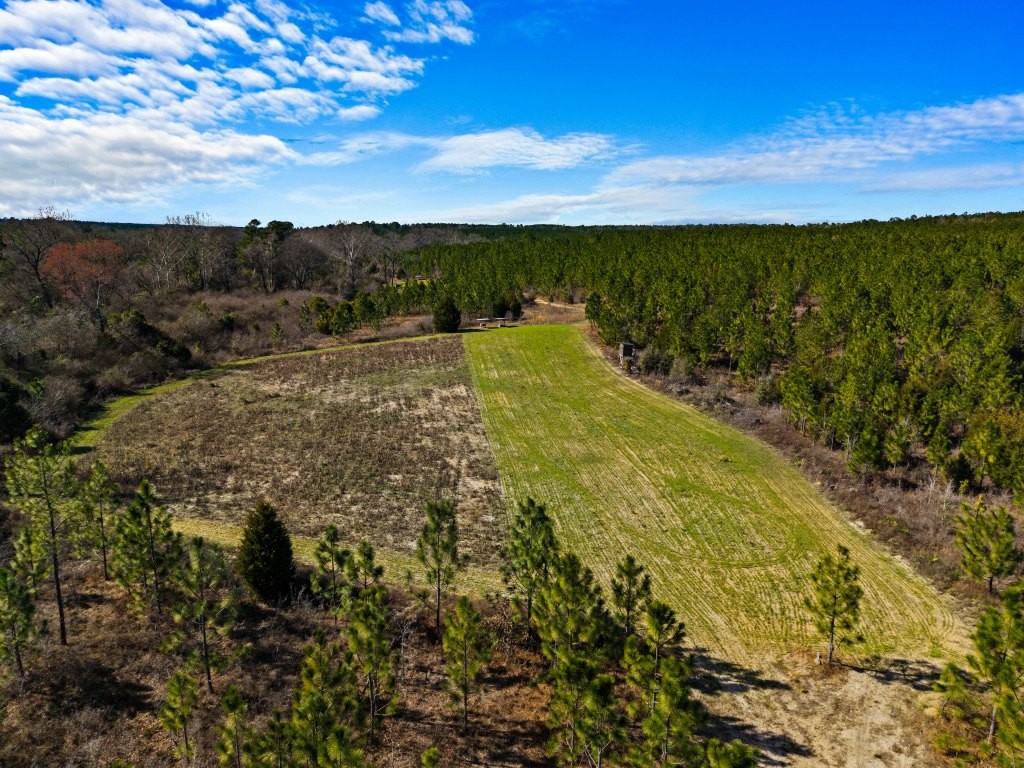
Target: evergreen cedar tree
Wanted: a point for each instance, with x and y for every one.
(265, 556)
(447, 316)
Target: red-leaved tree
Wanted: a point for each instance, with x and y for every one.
(86, 272)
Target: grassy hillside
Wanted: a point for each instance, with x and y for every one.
(364, 436)
(728, 530)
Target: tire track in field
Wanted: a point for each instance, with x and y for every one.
(728, 530)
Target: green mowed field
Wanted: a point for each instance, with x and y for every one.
(728, 530)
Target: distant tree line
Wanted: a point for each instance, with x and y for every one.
(88, 309)
(897, 342)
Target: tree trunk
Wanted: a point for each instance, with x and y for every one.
(152, 559)
(19, 665)
(465, 686)
(103, 548)
(437, 606)
(55, 563)
(206, 655)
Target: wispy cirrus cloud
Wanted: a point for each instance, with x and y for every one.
(480, 151)
(517, 147)
(828, 145)
(625, 205)
(860, 152)
(427, 22)
(972, 177)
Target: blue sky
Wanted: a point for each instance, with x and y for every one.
(588, 112)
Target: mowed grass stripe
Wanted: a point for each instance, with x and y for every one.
(728, 530)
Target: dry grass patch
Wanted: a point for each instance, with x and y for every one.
(360, 437)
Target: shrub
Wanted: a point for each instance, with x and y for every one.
(681, 371)
(265, 555)
(14, 419)
(653, 361)
(766, 390)
(174, 349)
(447, 317)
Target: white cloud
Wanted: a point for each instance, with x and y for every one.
(248, 77)
(828, 146)
(112, 159)
(357, 113)
(191, 74)
(516, 147)
(296, 105)
(982, 176)
(429, 22)
(862, 152)
(474, 152)
(364, 146)
(381, 12)
(263, 43)
(626, 205)
(47, 58)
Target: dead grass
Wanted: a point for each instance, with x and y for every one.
(361, 437)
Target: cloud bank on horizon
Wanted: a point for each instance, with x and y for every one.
(142, 105)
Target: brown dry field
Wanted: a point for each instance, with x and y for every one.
(362, 439)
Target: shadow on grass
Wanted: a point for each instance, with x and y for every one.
(78, 684)
(917, 674)
(714, 676)
(776, 748)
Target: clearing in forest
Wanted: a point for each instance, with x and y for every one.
(728, 530)
(361, 437)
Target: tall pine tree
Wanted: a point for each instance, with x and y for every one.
(467, 649)
(835, 602)
(527, 556)
(437, 550)
(373, 656)
(206, 606)
(174, 715)
(17, 611)
(331, 563)
(987, 540)
(41, 484)
(146, 550)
